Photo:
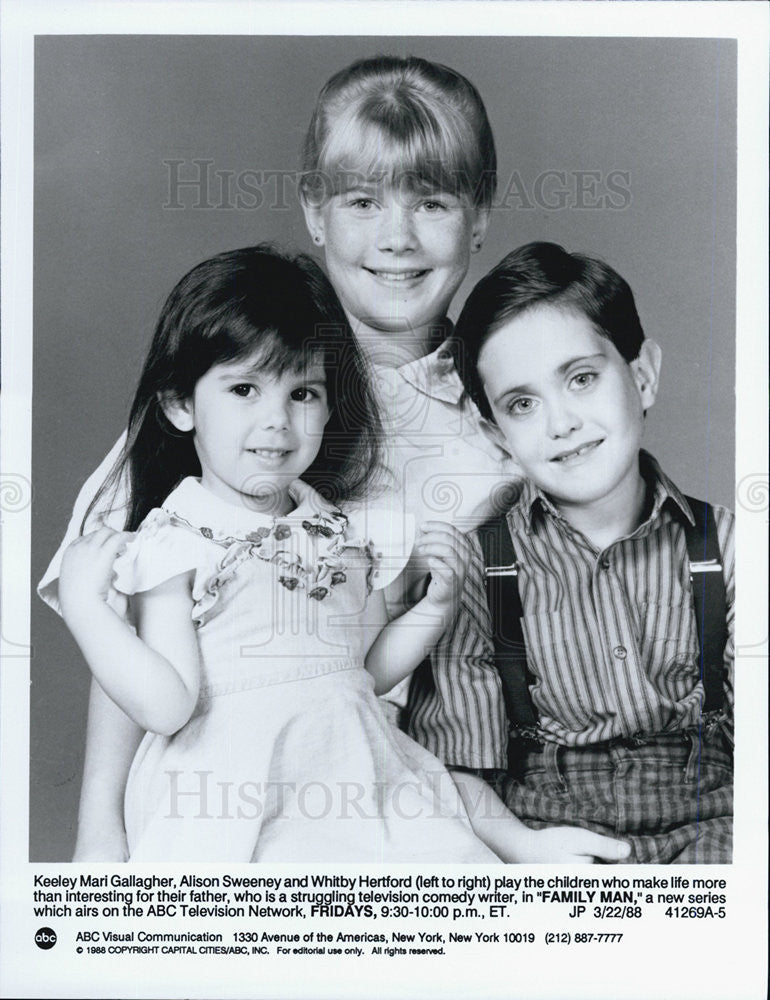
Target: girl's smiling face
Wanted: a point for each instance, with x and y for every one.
(396, 254)
(254, 431)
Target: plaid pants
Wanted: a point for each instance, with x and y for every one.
(669, 796)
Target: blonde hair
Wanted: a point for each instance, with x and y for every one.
(400, 120)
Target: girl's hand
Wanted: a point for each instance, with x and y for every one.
(569, 845)
(407, 639)
(86, 570)
(448, 554)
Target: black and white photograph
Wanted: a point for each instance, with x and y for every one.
(384, 499)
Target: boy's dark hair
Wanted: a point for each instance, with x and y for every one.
(544, 274)
(255, 300)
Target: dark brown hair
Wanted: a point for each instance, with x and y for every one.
(242, 303)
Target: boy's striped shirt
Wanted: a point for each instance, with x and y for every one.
(611, 635)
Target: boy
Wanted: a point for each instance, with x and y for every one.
(612, 726)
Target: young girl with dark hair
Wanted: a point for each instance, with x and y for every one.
(253, 602)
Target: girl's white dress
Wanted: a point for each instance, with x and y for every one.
(288, 755)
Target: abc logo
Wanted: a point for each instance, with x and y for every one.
(45, 938)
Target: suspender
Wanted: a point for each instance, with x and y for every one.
(708, 591)
(505, 609)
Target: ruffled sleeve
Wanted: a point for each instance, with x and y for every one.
(389, 536)
(161, 549)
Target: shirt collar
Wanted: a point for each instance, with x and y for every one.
(435, 373)
(201, 508)
(533, 503)
(664, 490)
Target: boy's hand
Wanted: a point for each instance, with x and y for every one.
(569, 845)
(448, 553)
(86, 570)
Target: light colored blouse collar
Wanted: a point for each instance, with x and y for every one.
(434, 374)
(203, 509)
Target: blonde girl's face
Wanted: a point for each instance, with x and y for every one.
(254, 432)
(396, 255)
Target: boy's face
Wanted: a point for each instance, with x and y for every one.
(570, 407)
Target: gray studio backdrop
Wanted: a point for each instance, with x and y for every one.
(624, 148)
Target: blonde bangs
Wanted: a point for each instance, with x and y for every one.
(401, 121)
(417, 152)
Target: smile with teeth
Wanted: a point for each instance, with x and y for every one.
(268, 452)
(396, 276)
(584, 449)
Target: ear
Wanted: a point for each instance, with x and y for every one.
(646, 372)
(178, 412)
(314, 220)
(480, 226)
(491, 429)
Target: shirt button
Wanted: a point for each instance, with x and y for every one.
(605, 563)
(620, 652)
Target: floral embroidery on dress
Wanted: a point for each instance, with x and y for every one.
(317, 529)
(307, 547)
(315, 566)
(258, 536)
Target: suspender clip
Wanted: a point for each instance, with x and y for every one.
(706, 566)
(511, 570)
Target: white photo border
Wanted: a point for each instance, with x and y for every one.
(685, 970)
